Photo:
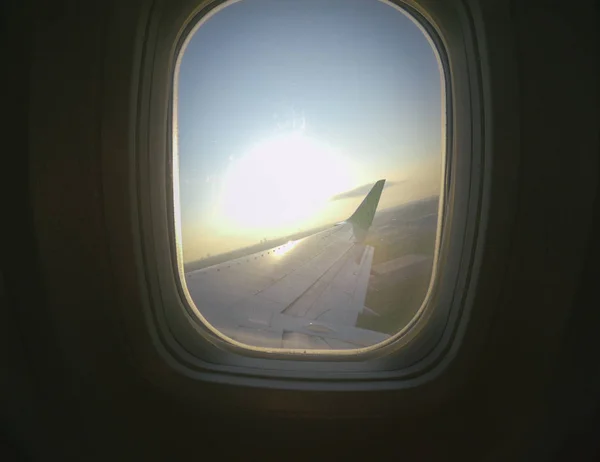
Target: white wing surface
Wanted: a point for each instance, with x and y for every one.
(305, 294)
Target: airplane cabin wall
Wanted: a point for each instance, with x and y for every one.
(74, 388)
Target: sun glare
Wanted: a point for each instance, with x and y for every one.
(282, 183)
(285, 248)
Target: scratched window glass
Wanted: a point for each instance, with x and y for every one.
(309, 138)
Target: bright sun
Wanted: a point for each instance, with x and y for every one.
(282, 183)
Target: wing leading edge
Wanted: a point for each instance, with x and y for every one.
(306, 294)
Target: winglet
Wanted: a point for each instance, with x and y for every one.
(363, 216)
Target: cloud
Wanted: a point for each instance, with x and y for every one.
(362, 191)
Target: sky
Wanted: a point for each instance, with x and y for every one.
(287, 110)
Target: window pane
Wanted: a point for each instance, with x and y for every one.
(289, 115)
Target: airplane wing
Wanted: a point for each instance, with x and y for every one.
(306, 294)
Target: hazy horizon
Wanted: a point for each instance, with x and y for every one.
(300, 231)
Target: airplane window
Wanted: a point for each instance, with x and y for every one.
(310, 133)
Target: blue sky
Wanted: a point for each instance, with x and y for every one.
(356, 78)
